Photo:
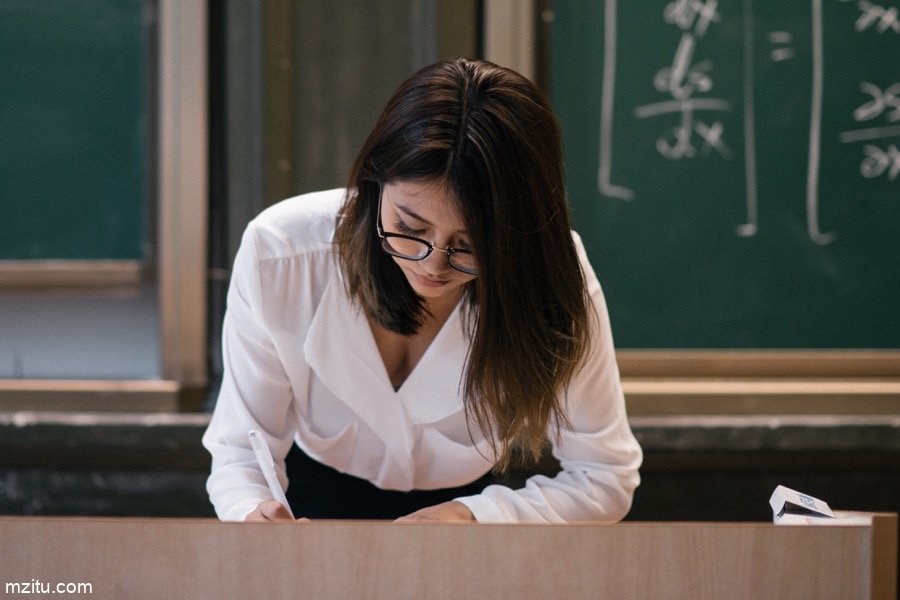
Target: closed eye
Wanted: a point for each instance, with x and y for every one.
(405, 229)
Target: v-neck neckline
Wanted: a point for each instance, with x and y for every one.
(453, 317)
(341, 351)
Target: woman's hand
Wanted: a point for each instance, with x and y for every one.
(452, 511)
(271, 511)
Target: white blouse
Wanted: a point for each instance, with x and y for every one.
(301, 365)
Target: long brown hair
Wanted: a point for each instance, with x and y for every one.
(490, 135)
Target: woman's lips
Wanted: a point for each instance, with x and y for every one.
(430, 282)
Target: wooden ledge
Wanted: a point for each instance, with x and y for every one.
(759, 363)
(88, 395)
(41, 274)
(746, 396)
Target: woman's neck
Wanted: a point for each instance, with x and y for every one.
(440, 308)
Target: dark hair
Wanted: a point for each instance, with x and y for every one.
(489, 135)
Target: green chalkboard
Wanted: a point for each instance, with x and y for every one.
(74, 120)
(733, 167)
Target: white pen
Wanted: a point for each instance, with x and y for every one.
(267, 464)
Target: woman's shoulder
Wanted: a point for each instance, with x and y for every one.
(298, 225)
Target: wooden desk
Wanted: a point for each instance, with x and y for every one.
(167, 558)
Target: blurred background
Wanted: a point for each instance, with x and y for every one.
(739, 206)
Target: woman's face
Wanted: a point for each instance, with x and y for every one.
(427, 210)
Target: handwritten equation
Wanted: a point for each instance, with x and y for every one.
(690, 110)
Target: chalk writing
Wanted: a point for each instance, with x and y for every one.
(684, 79)
(877, 18)
(878, 162)
(882, 101)
(783, 40)
(604, 182)
(692, 110)
(813, 229)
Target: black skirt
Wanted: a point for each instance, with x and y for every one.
(317, 491)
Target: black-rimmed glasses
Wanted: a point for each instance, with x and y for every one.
(412, 248)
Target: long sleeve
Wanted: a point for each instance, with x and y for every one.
(279, 274)
(255, 394)
(599, 457)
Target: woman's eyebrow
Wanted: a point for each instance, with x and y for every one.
(413, 214)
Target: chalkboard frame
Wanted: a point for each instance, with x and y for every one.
(107, 271)
(759, 363)
(772, 382)
(180, 274)
(71, 274)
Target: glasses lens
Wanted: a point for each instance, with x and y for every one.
(414, 249)
(405, 247)
(464, 261)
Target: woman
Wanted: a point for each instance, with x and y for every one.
(422, 327)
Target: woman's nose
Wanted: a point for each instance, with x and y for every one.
(437, 262)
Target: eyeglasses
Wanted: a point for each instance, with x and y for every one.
(413, 248)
